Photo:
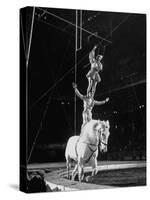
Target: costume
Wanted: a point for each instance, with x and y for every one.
(88, 104)
(94, 71)
(93, 75)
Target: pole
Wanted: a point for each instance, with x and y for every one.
(75, 98)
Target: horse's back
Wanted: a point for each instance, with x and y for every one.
(70, 151)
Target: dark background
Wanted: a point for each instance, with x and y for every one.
(51, 73)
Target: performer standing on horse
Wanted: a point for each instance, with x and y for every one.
(93, 74)
(89, 103)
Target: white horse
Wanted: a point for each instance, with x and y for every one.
(84, 148)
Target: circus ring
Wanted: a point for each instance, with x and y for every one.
(111, 174)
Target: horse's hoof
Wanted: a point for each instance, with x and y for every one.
(88, 178)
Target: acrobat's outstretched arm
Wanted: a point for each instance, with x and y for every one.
(77, 91)
(101, 102)
(92, 55)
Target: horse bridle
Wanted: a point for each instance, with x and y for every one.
(93, 151)
(100, 141)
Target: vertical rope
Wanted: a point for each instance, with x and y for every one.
(80, 29)
(75, 100)
(22, 31)
(30, 39)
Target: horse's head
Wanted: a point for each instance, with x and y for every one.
(103, 134)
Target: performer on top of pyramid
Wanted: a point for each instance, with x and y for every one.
(93, 74)
(89, 103)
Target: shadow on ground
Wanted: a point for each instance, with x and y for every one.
(14, 187)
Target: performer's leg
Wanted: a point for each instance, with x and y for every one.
(89, 115)
(84, 119)
(94, 87)
(84, 115)
(90, 85)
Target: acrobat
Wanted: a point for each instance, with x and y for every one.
(88, 104)
(93, 74)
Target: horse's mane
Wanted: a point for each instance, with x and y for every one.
(92, 124)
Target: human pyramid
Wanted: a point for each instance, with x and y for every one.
(93, 78)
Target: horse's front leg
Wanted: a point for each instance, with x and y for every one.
(80, 170)
(94, 167)
(93, 163)
(80, 173)
(74, 172)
